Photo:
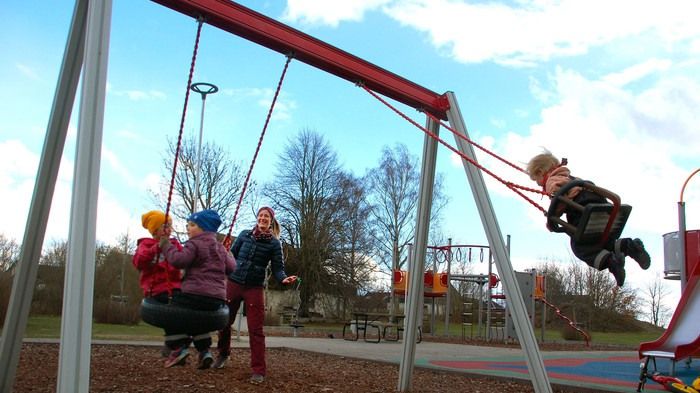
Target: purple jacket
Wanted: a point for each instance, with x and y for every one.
(206, 263)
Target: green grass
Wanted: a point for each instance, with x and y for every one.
(50, 327)
(626, 339)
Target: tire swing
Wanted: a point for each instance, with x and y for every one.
(172, 317)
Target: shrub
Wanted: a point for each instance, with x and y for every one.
(107, 311)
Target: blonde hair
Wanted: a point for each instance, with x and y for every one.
(540, 164)
(275, 228)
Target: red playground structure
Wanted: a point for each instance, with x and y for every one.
(681, 340)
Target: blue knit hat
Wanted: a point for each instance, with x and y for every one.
(208, 220)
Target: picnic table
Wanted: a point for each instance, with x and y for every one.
(379, 324)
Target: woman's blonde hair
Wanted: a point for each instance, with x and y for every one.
(541, 164)
(275, 228)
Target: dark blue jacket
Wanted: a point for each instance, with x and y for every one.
(252, 257)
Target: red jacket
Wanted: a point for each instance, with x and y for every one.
(155, 278)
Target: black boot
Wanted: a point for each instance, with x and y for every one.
(635, 250)
(616, 266)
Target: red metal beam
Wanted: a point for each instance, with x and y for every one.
(253, 26)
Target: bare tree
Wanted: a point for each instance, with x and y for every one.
(220, 180)
(305, 193)
(393, 186)
(9, 253)
(589, 295)
(352, 264)
(127, 247)
(48, 293)
(394, 193)
(656, 293)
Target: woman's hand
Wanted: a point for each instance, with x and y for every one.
(289, 280)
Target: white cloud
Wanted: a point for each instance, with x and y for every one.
(637, 71)
(17, 186)
(130, 135)
(137, 95)
(328, 12)
(534, 31)
(284, 107)
(112, 159)
(633, 144)
(27, 71)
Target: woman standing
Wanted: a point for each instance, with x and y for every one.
(253, 249)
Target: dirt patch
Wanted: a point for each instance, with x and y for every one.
(128, 368)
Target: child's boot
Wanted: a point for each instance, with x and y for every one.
(635, 250)
(616, 266)
(205, 360)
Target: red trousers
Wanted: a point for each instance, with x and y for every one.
(254, 299)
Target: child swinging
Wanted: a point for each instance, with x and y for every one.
(551, 174)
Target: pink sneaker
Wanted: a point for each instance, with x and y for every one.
(177, 357)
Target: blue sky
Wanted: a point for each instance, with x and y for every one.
(612, 86)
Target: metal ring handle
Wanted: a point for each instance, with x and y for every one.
(204, 88)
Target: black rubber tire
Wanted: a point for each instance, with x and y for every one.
(175, 319)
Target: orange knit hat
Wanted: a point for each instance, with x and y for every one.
(153, 220)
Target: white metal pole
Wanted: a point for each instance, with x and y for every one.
(198, 164)
(681, 244)
(514, 299)
(27, 267)
(76, 321)
(415, 290)
(203, 89)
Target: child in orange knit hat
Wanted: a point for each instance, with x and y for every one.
(158, 279)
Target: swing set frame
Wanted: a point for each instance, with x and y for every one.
(87, 48)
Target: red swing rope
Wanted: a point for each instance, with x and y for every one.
(508, 184)
(200, 22)
(492, 154)
(478, 146)
(227, 240)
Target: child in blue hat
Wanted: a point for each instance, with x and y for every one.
(206, 264)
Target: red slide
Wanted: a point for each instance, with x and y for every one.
(682, 338)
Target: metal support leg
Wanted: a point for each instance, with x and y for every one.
(76, 322)
(414, 296)
(26, 270)
(514, 298)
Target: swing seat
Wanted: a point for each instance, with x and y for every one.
(172, 317)
(599, 221)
